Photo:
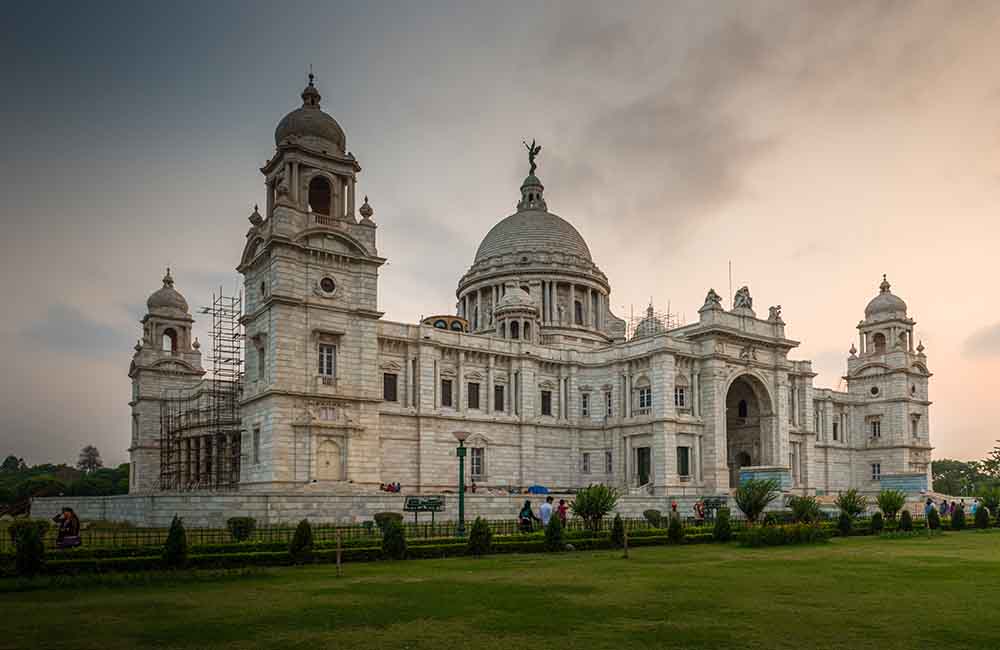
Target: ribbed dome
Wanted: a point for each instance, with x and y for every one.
(885, 305)
(311, 125)
(166, 299)
(533, 230)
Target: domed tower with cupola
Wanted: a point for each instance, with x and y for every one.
(547, 260)
(166, 361)
(887, 372)
(310, 268)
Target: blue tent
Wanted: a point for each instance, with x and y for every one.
(538, 489)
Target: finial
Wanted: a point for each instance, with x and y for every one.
(196, 345)
(920, 347)
(255, 217)
(138, 345)
(533, 151)
(853, 350)
(885, 284)
(311, 75)
(168, 280)
(366, 210)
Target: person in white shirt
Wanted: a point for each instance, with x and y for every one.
(546, 511)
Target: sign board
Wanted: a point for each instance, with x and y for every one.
(423, 504)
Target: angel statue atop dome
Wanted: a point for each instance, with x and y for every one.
(533, 151)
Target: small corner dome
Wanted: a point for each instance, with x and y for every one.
(310, 126)
(167, 300)
(649, 326)
(885, 305)
(515, 297)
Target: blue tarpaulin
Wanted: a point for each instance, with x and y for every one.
(538, 489)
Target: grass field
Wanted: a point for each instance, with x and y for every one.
(850, 593)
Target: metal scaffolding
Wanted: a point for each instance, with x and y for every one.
(200, 426)
(651, 321)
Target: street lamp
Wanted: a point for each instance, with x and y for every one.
(460, 452)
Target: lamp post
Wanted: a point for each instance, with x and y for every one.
(460, 452)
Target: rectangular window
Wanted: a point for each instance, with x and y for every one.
(683, 461)
(327, 360)
(609, 467)
(585, 405)
(390, 383)
(473, 395)
(876, 429)
(546, 402)
(498, 405)
(836, 431)
(645, 400)
(261, 364)
(585, 463)
(876, 471)
(680, 397)
(413, 382)
(915, 427)
(608, 404)
(477, 462)
(256, 445)
(446, 392)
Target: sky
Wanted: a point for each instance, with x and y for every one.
(813, 145)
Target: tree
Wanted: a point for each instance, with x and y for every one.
(891, 502)
(593, 503)
(851, 503)
(175, 549)
(753, 496)
(805, 510)
(554, 536)
(13, 464)
(90, 459)
(958, 477)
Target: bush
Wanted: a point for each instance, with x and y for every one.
(844, 524)
(890, 502)
(804, 509)
(241, 528)
(394, 540)
(175, 550)
(654, 517)
(757, 536)
(29, 551)
(675, 531)
(382, 518)
(851, 502)
(554, 536)
(20, 525)
(753, 496)
(990, 498)
(905, 521)
(618, 531)
(933, 519)
(301, 546)
(958, 518)
(877, 523)
(480, 538)
(593, 503)
(723, 530)
(982, 517)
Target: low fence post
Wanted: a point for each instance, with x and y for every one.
(338, 553)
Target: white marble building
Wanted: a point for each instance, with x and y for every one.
(337, 399)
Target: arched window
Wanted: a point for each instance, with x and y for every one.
(594, 310)
(879, 341)
(456, 326)
(169, 340)
(440, 324)
(527, 331)
(578, 312)
(503, 330)
(475, 318)
(515, 330)
(319, 195)
(743, 410)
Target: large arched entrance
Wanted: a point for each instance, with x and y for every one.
(749, 426)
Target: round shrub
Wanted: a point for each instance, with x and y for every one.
(480, 538)
(654, 517)
(593, 503)
(804, 509)
(905, 521)
(29, 551)
(394, 540)
(933, 519)
(877, 523)
(675, 530)
(554, 536)
(175, 549)
(982, 518)
(19, 525)
(618, 531)
(723, 530)
(241, 528)
(844, 524)
(300, 548)
(958, 518)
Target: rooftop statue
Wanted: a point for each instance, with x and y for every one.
(533, 151)
(742, 298)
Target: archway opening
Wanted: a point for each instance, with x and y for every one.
(879, 341)
(748, 426)
(328, 461)
(169, 340)
(319, 195)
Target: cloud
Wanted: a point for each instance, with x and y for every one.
(983, 343)
(66, 329)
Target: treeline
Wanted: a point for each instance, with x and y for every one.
(967, 477)
(19, 481)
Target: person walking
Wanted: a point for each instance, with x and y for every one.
(943, 508)
(561, 511)
(526, 517)
(546, 511)
(928, 507)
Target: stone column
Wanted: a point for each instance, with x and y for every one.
(350, 197)
(696, 395)
(490, 406)
(479, 309)
(296, 196)
(460, 380)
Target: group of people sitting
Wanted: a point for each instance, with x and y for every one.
(526, 518)
(390, 487)
(68, 535)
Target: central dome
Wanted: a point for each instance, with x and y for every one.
(533, 230)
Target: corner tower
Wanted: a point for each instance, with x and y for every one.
(310, 270)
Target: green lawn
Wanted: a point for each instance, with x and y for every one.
(847, 594)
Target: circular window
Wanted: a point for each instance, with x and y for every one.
(874, 390)
(327, 285)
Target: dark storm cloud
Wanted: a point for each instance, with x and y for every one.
(983, 344)
(65, 328)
